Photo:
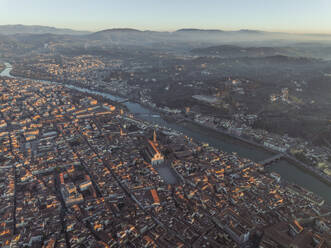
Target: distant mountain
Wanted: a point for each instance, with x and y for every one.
(218, 31)
(205, 42)
(193, 36)
(279, 60)
(127, 36)
(282, 59)
(237, 51)
(220, 36)
(108, 33)
(118, 30)
(274, 52)
(199, 30)
(39, 40)
(319, 35)
(249, 31)
(23, 29)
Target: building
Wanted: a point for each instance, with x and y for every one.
(235, 226)
(152, 153)
(70, 194)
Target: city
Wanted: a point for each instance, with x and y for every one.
(133, 79)
(165, 124)
(79, 171)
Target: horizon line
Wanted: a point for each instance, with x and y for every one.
(174, 30)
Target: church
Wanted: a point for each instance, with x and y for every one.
(152, 153)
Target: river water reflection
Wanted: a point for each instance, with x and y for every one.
(287, 171)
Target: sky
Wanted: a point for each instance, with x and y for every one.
(296, 16)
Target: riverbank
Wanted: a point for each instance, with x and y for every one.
(224, 132)
(243, 141)
(289, 171)
(289, 158)
(308, 169)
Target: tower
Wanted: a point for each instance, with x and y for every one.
(154, 137)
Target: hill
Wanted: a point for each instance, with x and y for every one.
(35, 29)
(237, 51)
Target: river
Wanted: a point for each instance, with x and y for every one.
(288, 171)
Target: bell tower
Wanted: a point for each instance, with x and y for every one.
(154, 137)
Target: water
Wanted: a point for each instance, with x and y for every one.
(288, 172)
(296, 175)
(6, 72)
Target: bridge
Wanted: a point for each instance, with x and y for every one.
(148, 115)
(123, 101)
(272, 159)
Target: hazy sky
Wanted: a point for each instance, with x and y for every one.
(270, 15)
